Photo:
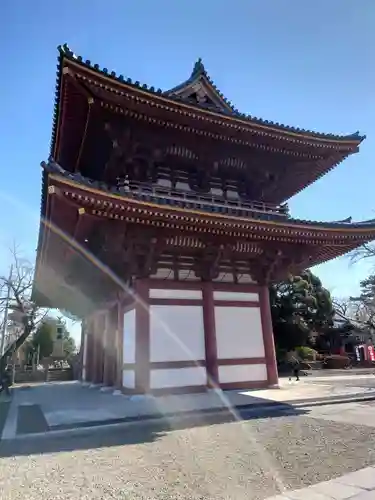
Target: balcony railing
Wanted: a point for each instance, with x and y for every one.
(206, 202)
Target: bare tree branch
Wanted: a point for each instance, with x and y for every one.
(15, 293)
(366, 251)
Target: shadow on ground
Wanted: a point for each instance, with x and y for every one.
(135, 433)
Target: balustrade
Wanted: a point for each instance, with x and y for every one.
(208, 202)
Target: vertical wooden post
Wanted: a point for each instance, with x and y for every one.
(89, 350)
(268, 339)
(106, 348)
(210, 334)
(142, 333)
(119, 344)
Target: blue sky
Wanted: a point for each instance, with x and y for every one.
(309, 64)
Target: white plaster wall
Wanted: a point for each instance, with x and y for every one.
(129, 339)
(242, 373)
(159, 293)
(178, 377)
(239, 332)
(128, 379)
(176, 333)
(238, 296)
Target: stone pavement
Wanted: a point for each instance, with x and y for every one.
(69, 405)
(359, 485)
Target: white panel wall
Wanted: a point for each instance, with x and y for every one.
(242, 373)
(129, 343)
(238, 296)
(158, 293)
(239, 332)
(128, 379)
(129, 340)
(178, 377)
(176, 333)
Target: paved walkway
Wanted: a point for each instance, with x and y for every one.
(68, 405)
(359, 485)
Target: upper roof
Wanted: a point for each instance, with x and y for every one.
(199, 92)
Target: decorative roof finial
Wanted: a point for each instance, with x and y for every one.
(198, 67)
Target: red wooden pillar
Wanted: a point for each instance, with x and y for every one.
(82, 348)
(89, 351)
(142, 336)
(100, 337)
(95, 350)
(111, 346)
(106, 349)
(119, 335)
(210, 334)
(268, 339)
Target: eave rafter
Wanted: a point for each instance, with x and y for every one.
(194, 220)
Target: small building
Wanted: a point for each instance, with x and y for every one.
(163, 222)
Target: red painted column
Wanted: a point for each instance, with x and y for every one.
(89, 350)
(268, 339)
(95, 350)
(106, 349)
(210, 334)
(142, 335)
(119, 344)
(100, 337)
(111, 346)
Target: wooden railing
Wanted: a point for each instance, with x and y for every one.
(208, 202)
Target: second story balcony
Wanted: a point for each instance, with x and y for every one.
(207, 202)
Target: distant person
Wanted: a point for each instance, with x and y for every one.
(295, 364)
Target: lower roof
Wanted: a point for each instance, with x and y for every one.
(102, 195)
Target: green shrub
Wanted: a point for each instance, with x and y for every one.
(306, 353)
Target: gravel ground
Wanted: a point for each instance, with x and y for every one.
(220, 461)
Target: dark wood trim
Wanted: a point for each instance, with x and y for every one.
(268, 339)
(167, 365)
(173, 285)
(233, 287)
(236, 303)
(166, 391)
(128, 307)
(241, 361)
(176, 302)
(251, 384)
(198, 285)
(142, 335)
(210, 335)
(189, 389)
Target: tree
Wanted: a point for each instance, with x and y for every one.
(300, 306)
(15, 292)
(363, 305)
(43, 338)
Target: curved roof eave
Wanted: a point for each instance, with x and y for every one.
(80, 182)
(66, 53)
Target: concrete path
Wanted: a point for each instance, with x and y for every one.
(359, 485)
(68, 405)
